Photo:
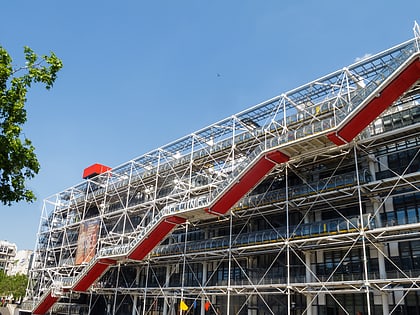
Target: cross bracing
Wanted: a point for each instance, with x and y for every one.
(287, 165)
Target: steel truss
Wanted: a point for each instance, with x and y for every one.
(309, 226)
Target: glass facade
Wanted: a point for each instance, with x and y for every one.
(266, 212)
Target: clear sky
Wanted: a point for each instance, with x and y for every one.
(140, 74)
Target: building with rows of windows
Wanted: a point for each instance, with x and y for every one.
(307, 203)
(7, 255)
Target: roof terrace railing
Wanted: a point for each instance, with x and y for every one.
(269, 126)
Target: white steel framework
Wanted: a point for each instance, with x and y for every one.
(307, 203)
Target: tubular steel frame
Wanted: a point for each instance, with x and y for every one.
(180, 188)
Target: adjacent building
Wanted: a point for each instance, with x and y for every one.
(21, 262)
(307, 203)
(13, 261)
(7, 256)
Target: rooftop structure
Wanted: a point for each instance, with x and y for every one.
(307, 203)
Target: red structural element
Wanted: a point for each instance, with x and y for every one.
(46, 304)
(379, 104)
(264, 165)
(94, 170)
(97, 269)
(155, 237)
(248, 181)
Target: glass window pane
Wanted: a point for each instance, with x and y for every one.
(412, 215)
(401, 217)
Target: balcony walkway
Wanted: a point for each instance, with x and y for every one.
(370, 101)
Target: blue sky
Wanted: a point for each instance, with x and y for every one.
(140, 74)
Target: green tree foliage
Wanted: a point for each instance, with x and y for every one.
(15, 285)
(18, 161)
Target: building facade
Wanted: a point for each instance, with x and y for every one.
(21, 262)
(7, 256)
(308, 203)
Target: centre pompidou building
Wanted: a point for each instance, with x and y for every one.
(307, 203)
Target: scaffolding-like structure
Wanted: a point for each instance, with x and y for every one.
(307, 203)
